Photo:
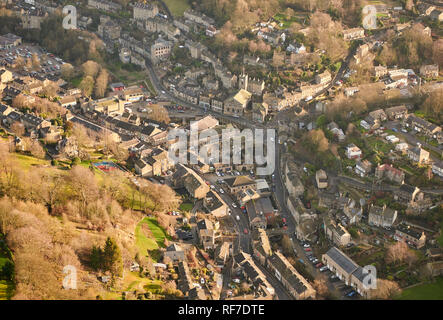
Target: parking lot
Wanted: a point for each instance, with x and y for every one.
(312, 262)
(50, 65)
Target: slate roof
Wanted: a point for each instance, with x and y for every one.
(342, 260)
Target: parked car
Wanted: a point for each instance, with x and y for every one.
(308, 249)
(234, 205)
(319, 265)
(221, 191)
(245, 231)
(306, 245)
(323, 269)
(352, 293)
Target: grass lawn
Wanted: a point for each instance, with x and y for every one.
(285, 20)
(144, 242)
(428, 291)
(28, 161)
(177, 7)
(125, 73)
(186, 206)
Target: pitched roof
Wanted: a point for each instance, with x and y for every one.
(342, 260)
(242, 96)
(239, 181)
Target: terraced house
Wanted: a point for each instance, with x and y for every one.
(283, 270)
(382, 216)
(347, 270)
(421, 125)
(406, 233)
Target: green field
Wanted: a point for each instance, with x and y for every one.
(429, 291)
(28, 161)
(6, 286)
(284, 20)
(186, 206)
(145, 243)
(177, 7)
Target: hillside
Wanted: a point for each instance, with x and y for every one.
(53, 214)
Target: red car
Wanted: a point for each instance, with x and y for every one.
(245, 231)
(318, 265)
(308, 249)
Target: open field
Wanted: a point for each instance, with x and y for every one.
(428, 291)
(28, 161)
(177, 7)
(149, 236)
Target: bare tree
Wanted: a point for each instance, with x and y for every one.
(90, 68)
(400, 252)
(101, 83)
(87, 85)
(386, 289)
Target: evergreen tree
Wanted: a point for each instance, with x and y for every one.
(112, 258)
(96, 258)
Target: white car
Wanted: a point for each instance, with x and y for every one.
(237, 217)
(306, 246)
(221, 191)
(236, 280)
(212, 187)
(218, 174)
(234, 205)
